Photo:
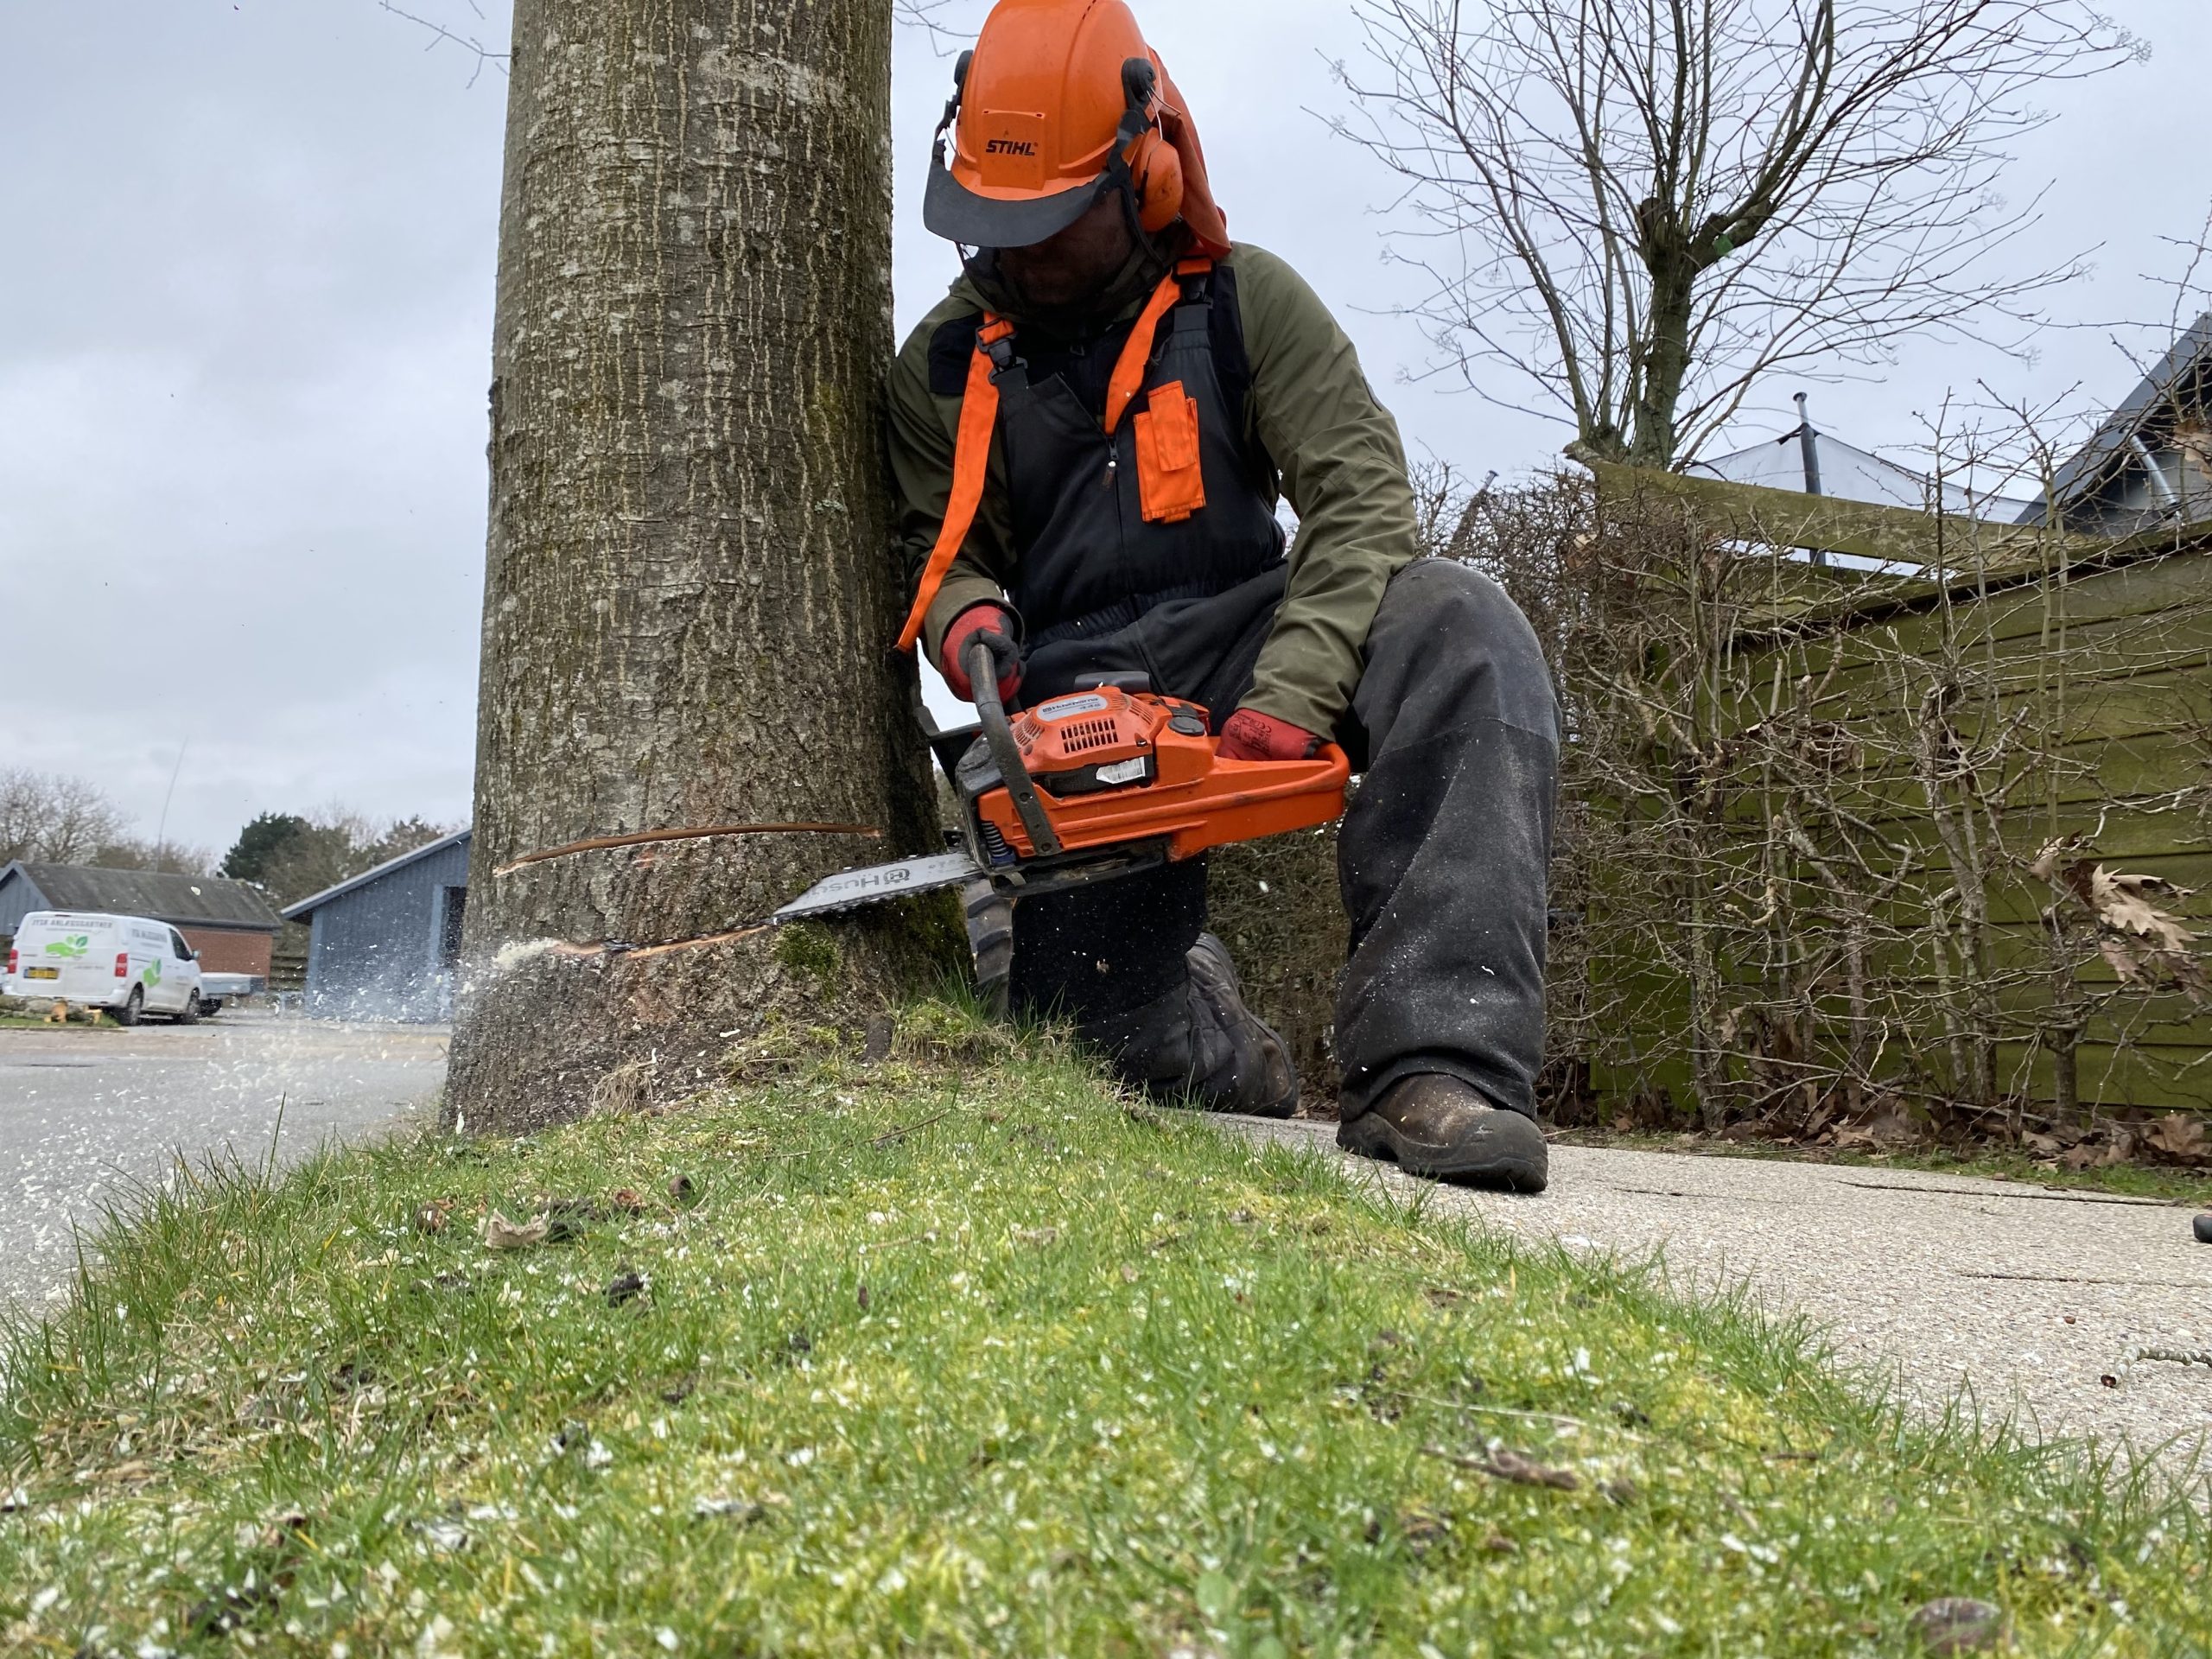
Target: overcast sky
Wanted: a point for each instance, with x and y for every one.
(246, 313)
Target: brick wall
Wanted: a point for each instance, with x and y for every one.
(223, 951)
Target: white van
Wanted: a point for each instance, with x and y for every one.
(126, 964)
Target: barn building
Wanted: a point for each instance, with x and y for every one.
(231, 923)
(2150, 463)
(384, 944)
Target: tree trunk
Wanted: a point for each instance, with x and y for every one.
(689, 594)
(1666, 365)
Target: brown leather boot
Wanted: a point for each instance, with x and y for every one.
(1432, 1124)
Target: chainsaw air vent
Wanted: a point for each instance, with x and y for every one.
(1081, 736)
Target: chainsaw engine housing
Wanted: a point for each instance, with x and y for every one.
(1100, 738)
(1120, 768)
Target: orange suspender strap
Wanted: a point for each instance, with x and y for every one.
(1128, 370)
(979, 414)
(971, 459)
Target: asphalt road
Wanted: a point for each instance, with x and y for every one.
(2043, 1303)
(87, 1113)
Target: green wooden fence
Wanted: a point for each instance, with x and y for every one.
(2024, 709)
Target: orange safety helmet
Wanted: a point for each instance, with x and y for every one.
(1060, 101)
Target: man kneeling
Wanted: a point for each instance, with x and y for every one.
(1157, 390)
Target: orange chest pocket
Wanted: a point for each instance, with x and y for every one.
(1171, 484)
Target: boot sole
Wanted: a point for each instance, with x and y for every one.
(1509, 1155)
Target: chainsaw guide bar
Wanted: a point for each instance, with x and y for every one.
(1100, 783)
(852, 889)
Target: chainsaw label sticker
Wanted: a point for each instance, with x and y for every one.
(1082, 703)
(1123, 771)
(891, 875)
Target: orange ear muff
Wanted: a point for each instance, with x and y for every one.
(1156, 174)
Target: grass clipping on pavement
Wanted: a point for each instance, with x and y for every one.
(961, 1352)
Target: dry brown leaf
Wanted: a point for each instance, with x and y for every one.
(500, 1234)
(2193, 439)
(2044, 866)
(2119, 955)
(1502, 1463)
(2181, 1136)
(1892, 1129)
(1509, 1464)
(1959, 1624)
(2118, 898)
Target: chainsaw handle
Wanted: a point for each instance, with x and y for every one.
(983, 677)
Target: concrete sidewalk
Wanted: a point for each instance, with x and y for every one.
(2034, 1298)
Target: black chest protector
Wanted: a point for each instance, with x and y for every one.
(1143, 521)
(1100, 533)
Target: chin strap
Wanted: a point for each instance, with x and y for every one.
(979, 415)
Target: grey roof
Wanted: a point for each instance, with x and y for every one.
(2086, 467)
(316, 901)
(180, 901)
(1850, 474)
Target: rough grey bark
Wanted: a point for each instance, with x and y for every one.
(689, 597)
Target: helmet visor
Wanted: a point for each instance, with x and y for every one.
(954, 212)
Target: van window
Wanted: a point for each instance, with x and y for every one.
(176, 944)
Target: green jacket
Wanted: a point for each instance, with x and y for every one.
(1337, 449)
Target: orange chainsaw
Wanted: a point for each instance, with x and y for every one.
(1109, 779)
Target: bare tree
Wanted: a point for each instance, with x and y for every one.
(52, 818)
(136, 853)
(1643, 206)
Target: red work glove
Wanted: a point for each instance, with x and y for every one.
(1250, 735)
(995, 628)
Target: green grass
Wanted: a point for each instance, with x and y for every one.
(959, 1353)
(2137, 1180)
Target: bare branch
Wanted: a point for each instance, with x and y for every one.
(483, 56)
(1643, 206)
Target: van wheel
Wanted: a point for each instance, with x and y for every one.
(190, 1013)
(128, 1012)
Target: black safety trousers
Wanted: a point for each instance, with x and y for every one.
(1442, 853)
